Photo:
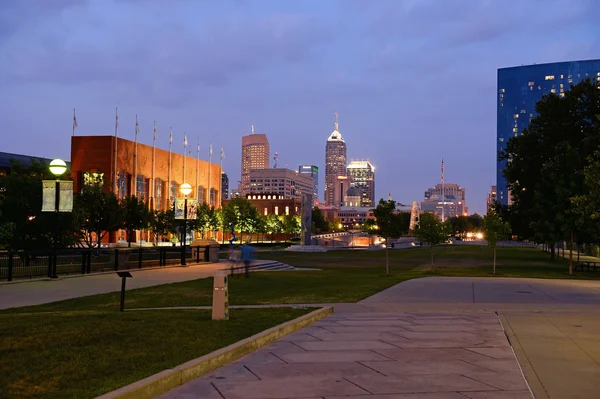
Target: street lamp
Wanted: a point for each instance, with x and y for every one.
(185, 189)
(57, 167)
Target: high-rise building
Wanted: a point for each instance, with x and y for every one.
(520, 88)
(335, 163)
(311, 171)
(446, 203)
(255, 155)
(491, 198)
(281, 181)
(362, 176)
(224, 185)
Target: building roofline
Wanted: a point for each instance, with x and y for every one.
(547, 63)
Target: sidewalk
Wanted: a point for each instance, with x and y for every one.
(375, 355)
(44, 291)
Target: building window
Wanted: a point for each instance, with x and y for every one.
(266, 212)
(141, 187)
(174, 190)
(277, 210)
(287, 210)
(213, 196)
(549, 77)
(158, 194)
(122, 187)
(200, 193)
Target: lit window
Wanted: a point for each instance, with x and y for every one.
(266, 212)
(287, 210)
(552, 90)
(501, 139)
(531, 83)
(562, 85)
(562, 94)
(515, 129)
(277, 210)
(562, 76)
(549, 77)
(516, 115)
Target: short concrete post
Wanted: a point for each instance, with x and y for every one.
(220, 307)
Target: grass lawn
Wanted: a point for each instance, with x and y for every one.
(87, 353)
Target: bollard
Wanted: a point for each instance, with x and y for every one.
(220, 307)
(124, 276)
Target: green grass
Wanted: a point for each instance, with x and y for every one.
(87, 353)
(345, 276)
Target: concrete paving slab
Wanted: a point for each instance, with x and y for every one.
(395, 369)
(431, 354)
(344, 345)
(495, 353)
(498, 395)
(506, 381)
(336, 370)
(333, 356)
(419, 383)
(447, 395)
(369, 336)
(194, 390)
(294, 387)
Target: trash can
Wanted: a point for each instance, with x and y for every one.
(209, 250)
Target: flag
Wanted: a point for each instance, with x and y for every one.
(74, 119)
(154, 130)
(116, 121)
(198, 146)
(170, 135)
(210, 149)
(222, 153)
(442, 168)
(137, 128)
(185, 143)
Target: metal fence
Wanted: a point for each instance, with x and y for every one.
(47, 263)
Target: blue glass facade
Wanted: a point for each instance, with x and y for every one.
(520, 88)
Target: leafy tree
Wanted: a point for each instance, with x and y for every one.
(97, 212)
(388, 224)
(135, 216)
(163, 224)
(495, 229)
(23, 225)
(291, 224)
(545, 165)
(320, 224)
(432, 232)
(242, 214)
(273, 225)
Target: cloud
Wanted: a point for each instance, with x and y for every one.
(169, 55)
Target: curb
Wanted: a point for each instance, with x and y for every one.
(166, 380)
(535, 385)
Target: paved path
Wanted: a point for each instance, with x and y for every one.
(44, 291)
(375, 356)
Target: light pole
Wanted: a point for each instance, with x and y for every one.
(57, 167)
(185, 189)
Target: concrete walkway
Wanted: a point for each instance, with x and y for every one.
(44, 291)
(375, 356)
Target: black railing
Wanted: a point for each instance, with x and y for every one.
(37, 264)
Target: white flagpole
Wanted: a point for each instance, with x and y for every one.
(197, 164)
(137, 130)
(116, 146)
(170, 143)
(185, 155)
(74, 121)
(209, 170)
(443, 194)
(152, 193)
(221, 174)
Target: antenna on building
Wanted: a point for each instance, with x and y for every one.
(252, 129)
(337, 125)
(276, 158)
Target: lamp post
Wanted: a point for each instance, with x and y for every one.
(57, 167)
(185, 189)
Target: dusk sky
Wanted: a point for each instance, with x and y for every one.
(411, 79)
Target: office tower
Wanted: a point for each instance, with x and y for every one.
(286, 182)
(362, 176)
(311, 171)
(446, 203)
(224, 185)
(519, 89)
(255, 155)
(491, 198)
(335, 163)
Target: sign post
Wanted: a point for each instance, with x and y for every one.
(124, 276)
(220, 307)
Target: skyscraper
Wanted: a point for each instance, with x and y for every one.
(520, 88)
(335, 163)
(255, 155)
(362, 176)
(224, 185)
(446, 201)
(311, 171)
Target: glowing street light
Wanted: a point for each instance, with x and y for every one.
(58, 167)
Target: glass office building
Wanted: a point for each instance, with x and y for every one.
(520, 88)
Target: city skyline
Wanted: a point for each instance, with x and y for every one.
(402, 75)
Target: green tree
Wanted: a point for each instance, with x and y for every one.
(273, 224)
(432, 232)
(135, 216)
(388, 225)
(320, 224)
(495, 229)
(291, 224)
(163, 224)
(96, 212)
(23, 224)
(242, 214)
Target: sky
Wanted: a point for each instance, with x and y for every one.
(412, 80)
